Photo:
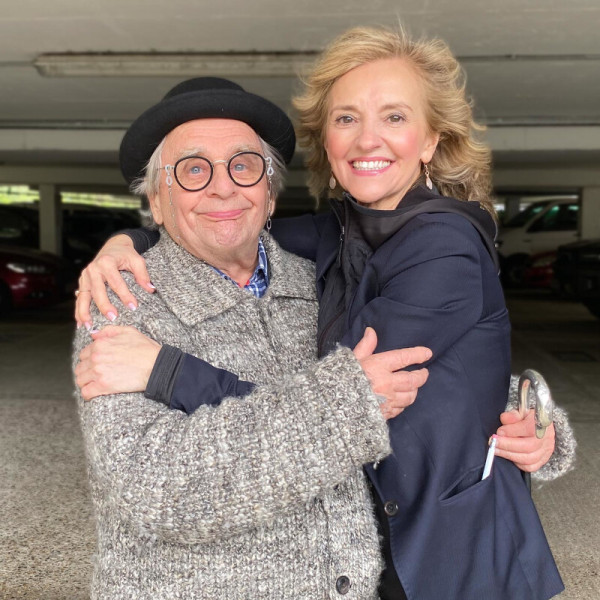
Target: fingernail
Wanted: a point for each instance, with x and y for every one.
(111, 315)
(94, 331)
(132, 306)
(88, 325)
(150, 284)
(78, 324)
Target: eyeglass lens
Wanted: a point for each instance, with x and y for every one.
(195, 172)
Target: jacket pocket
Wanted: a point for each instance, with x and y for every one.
(468, 484)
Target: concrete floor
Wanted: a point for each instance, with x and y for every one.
(46, 521)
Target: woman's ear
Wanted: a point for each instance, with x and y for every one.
(429, 148)
(156, 209)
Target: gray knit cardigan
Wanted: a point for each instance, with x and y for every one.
(260, 497)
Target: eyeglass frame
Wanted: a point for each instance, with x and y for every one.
(267, 168)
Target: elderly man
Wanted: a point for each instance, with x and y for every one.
(258, 497)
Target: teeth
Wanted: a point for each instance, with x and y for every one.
(367, 165)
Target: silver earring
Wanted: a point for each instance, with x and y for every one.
(428, 181)
(332, 182)
(269, 213)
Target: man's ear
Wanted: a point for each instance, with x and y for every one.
(156, 209)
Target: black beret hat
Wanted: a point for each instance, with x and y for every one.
(203, 98)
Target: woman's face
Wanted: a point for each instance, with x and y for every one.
(376, 134)
(220, 223)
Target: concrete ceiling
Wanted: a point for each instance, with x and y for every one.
(528, 62)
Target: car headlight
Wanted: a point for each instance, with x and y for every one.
(36, 269)
(544, 261)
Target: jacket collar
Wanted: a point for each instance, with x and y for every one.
(376, 226)
(195, 292)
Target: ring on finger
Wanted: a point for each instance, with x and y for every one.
(77, 292)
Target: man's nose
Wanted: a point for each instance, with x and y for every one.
(221, 183)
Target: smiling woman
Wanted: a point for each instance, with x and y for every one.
(377, 144)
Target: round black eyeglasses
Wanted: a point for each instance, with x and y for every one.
(194, 173)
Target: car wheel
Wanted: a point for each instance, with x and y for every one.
(593, 306)
(5, 299)
(514, 270)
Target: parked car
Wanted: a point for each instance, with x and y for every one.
(577, 273)
(30, 278)
(543, 226)
(539, 270)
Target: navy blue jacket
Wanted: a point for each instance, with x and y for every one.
(433, 282)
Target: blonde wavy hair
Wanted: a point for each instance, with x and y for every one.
(460, 166)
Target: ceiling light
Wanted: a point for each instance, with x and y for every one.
(259, 64)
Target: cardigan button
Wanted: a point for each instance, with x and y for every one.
(342, 585)
(391, 508)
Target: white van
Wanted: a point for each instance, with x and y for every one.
(543, 226)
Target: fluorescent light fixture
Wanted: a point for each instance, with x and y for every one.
(259, 64)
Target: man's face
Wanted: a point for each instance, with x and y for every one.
(220, 223)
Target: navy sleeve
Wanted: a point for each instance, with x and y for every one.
(299, 235)
(163, 375)
(143, 238)
(198, 383)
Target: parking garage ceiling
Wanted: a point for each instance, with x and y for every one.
(528, 62)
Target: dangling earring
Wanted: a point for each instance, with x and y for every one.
(428, 181)
(269, 222)
(270, 172)
(332, 182)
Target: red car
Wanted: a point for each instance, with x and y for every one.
(539, 271)
(30, 278)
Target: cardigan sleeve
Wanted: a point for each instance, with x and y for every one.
(227, 469)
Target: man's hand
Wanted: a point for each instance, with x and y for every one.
(119, 360)
(517, 441)
(398, 388)
(116, 255)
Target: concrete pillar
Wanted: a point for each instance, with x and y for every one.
(512, 206)
(590, 213)
(50, 219)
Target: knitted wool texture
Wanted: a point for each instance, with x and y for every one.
(260, 497)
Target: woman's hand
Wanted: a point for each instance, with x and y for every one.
(116, 254)
(517, 441)
(398, 388)
(119, 360)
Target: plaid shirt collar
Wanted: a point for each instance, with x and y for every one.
(259, 282)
